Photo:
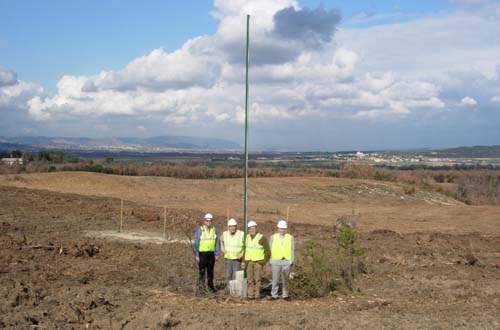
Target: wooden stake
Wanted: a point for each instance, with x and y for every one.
(227, 213)
(164, 222)
(121, 216)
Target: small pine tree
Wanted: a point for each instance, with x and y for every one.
(327, 267)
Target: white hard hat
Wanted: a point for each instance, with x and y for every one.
(282, 224)
(208, 216)
(252, 224)
(232, 222)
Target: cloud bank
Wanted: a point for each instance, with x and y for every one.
(336, 88)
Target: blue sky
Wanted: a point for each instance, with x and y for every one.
(324, 75)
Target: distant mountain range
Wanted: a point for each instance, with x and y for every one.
(129, 144)
(165, 144)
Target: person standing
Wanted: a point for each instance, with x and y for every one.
(206, 252)
(232, 247)
(257, 254)
(282, 258)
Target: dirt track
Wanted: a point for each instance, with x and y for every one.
(432, 262)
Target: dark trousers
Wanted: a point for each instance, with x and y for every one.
(206, 266)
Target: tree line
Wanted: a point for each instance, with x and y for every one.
(471, 185)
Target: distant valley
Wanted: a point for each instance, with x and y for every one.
(121, 144)
(184, 144)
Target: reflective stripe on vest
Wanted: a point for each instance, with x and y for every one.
(207, 239)
(254, 251)
(281, 249)
(233, 244)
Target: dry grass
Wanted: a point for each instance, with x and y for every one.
(312, 200)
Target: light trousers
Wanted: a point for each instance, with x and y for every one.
(232, 266)
(280, 270)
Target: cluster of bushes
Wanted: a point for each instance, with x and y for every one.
(325, 268)
(472, 186)
(178, 171)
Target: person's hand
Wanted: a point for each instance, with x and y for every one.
(216, 258)
(243, 265)
(197, 259)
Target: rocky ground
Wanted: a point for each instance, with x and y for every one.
(63, 265)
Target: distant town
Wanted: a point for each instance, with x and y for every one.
(217, 151)
(385, 158)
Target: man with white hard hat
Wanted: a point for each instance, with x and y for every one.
(232, 247)
(282, 258)
(206, 252)
(257, 254)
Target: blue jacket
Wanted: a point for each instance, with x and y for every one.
(196, 245)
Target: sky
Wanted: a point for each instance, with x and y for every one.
(323, 75)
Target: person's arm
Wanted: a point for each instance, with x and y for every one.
(222, 243)
(242, 241)
(243, 253)
(271, 240)
(196, 245)
(267, 251)
(217, 244)
(292, 259)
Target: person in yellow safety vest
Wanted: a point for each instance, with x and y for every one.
(257, 254)
(206, 252)
(232, 247)
(282, 258)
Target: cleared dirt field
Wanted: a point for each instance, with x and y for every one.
(433, 263)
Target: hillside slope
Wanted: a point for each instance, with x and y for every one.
(308, 200)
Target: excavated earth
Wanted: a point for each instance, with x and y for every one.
(431, 262)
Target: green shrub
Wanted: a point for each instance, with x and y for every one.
(349, 254)
(409, 190)
(325, 267)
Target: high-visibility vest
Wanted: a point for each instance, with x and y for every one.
(207, 239)
(233, 244)
(254, 251)
(281, 249)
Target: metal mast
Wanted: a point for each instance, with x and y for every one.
(245, 203)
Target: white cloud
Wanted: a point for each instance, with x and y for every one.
(160, 71)
(446, 42)
(37, 109)
(372, 114)
(7, 77)
(376, 83)
(15, 92)
(468, 101)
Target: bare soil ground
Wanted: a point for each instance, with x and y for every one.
(433, 263)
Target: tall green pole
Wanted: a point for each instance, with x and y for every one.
(245, 203)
